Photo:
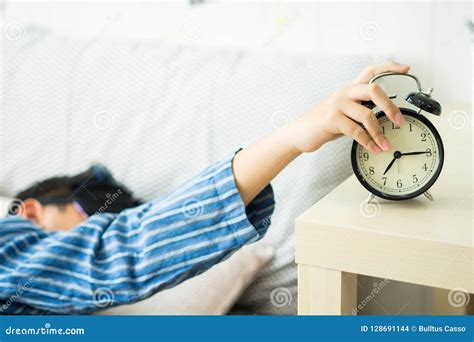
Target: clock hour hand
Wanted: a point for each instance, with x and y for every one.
(389, 166)
(413, 153)
(396, 156)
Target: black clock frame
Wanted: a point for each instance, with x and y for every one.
(376, 192)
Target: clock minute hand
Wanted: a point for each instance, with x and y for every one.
(413, 153)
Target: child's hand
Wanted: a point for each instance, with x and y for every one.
(341, 114)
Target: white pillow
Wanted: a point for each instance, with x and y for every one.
(211, 293)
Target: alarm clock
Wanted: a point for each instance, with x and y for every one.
(415, 161)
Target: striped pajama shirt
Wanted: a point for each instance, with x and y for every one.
(114, 259)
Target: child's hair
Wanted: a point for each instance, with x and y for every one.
(94, 191)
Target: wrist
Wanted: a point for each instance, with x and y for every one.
(286, 142)
(307, 133)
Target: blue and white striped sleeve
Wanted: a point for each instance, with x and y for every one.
(114, 259)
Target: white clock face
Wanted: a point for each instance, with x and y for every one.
(409, 167)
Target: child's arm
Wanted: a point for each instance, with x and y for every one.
(340, 114)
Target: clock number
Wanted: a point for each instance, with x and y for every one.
(395, 127)
(384, 180)
(411, 128)
(399, 183)
(371, 170)
(366, 156)
(425, 167)
(415, 179)
(383, 129)
(423, 136)
(428, 152)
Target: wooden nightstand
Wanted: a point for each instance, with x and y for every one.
(415, 241)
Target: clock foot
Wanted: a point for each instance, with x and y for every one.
(428, 195)
(370, 198)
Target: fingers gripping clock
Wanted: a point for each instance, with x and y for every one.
(416, 158)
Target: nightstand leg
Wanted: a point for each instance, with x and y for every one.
(323, 291)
